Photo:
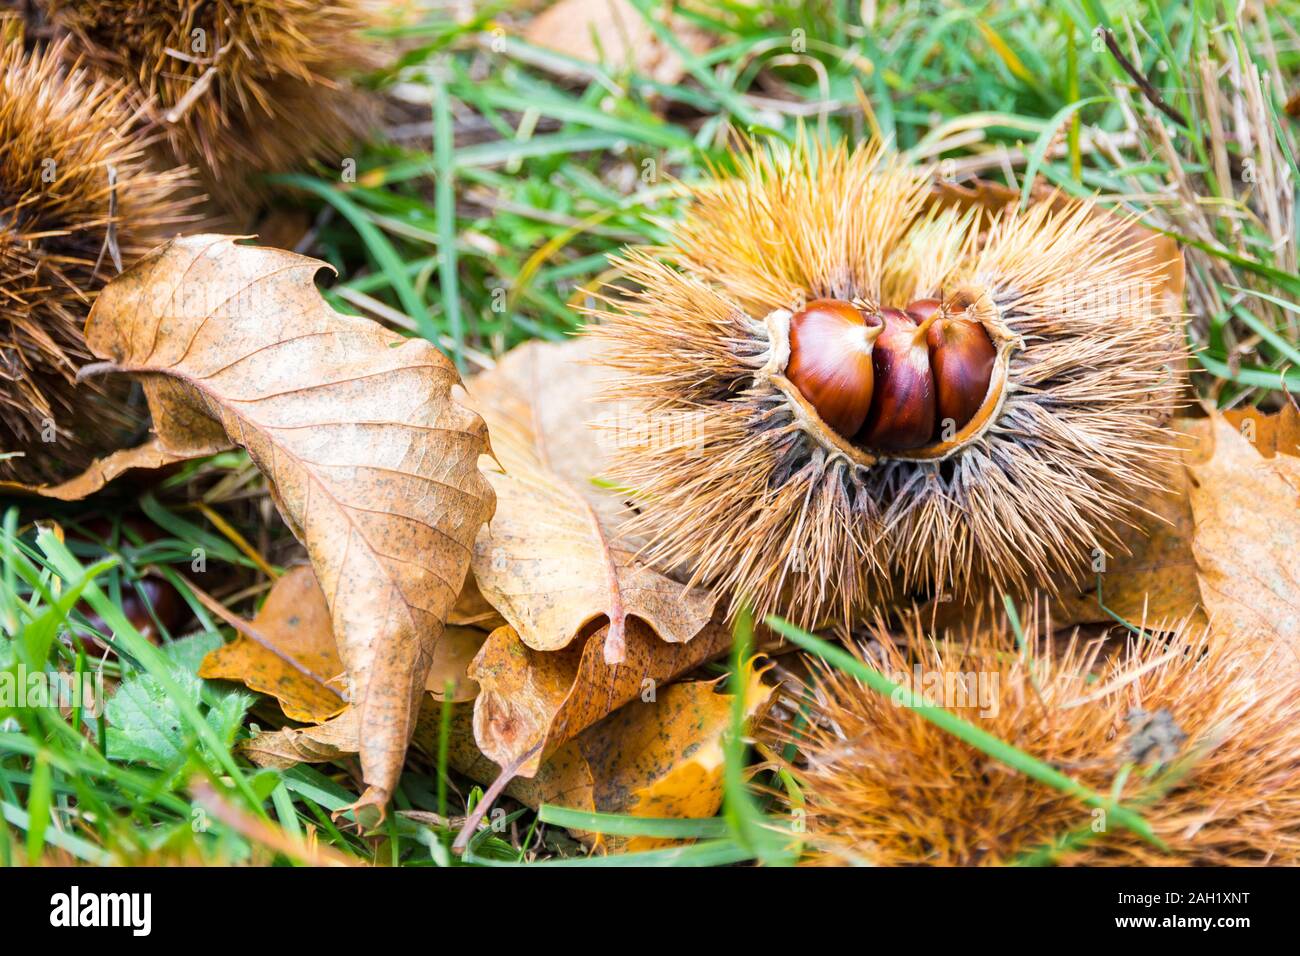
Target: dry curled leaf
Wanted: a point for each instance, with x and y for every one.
(659, 757)
(473, 610)
(371, 462)
(552, 561)
(288, 652)
(1246, 510)
(150, 456)
(540, 699)
(665, 758)
(451, 659)
(1271, 434)
(293, 656)
(288, 746)
(564, 779)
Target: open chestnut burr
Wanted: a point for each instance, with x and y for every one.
(897, 387)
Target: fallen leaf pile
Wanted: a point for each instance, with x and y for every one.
(660, 756)
(552, 562)
(532, 701)
(616, 742)
(288, 652)
(565, 642)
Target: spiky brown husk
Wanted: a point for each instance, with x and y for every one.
(62, 135)
(739, 486)
(269, 93)
(884, 786)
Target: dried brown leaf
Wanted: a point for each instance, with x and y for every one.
(284, 748)
(150, 456)
(651, 758)
(372, 464)
(288, 652)
(451, 659)
(665, 758)
(529, 697)
(564, 779)
(552, 561)
(1246, 510)
(1271, 434)
(293, 658)
(473, 610)
(660, 756)
(1156, 580)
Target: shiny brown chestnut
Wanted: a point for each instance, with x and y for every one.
(962, 358)
(921, 309)
(831, 361)
(902, 413)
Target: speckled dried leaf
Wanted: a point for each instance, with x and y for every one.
(371, 462)
(552, 561)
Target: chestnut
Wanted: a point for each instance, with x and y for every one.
(962, 358)
(830, 363)
(902, 410)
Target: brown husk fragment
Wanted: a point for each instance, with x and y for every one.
(242, 88)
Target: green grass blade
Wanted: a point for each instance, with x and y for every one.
(40, 797)
(154, 662)
(708, 853)
(82, 849)
(1045, 138)
(617, 824)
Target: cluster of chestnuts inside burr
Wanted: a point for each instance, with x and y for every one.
(887, 379)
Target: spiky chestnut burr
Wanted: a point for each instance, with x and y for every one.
(76, 194)
(764, 500)
(241, 87)
(1208, 725)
